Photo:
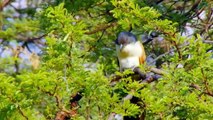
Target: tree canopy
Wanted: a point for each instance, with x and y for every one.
(54, 50)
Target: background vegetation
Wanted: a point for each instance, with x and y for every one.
(52, 49)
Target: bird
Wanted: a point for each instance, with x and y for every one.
(130, 52)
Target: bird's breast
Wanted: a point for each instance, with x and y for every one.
(133, 50)
(129, 62)
(129, 55)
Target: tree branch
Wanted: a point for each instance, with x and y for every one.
(23, 38)
(157, 71)
(208, 91)
(4, 4)
(195, 86)
(193, 8)
(208, 41)
(178, 50)
(159, 1)
(18, 106)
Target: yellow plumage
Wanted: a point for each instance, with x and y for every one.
(131, 55)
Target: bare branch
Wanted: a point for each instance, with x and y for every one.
(194, 7)
(157, 71)
(195, 86)
(23, 38)
(4, 4)
(208, 41)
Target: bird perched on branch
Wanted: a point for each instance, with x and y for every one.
(130, 52)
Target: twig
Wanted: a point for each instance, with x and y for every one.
(193, 8)
(57, 98)
(208, 41)
(4, 4)
(137, 77)
(23, 38)
(208, 91)
(178, 50)
(18, 106)
(162, 55)
(157, 71)
(159, 1)
(88, 111)
(22, 113)
(92, 47)
(195, 86)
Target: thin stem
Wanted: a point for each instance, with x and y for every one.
(88, 111)
(22, 113)
(208, 91)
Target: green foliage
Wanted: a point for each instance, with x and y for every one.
(16, 28)
(79, 56)
(173, 97)
(138, 16)
(130, 14)
(60, 21)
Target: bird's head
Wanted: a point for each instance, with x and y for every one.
(125, 38)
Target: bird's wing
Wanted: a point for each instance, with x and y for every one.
(142, 57)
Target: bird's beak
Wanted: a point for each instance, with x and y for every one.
(121, 46)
